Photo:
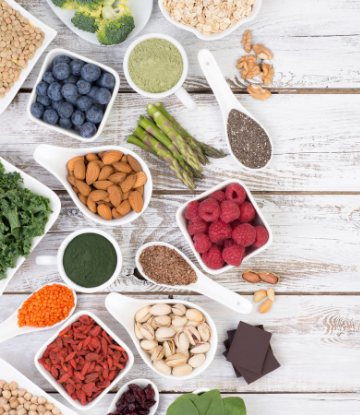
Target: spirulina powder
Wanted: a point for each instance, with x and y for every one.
(155, 65)
(90, 260)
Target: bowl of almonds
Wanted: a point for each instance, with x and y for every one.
(111, 185)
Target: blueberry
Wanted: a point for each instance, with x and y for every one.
(54, 91)
(90, 72)
(76, 66)
(65, 110)
(69, 91)
(44, 100)
(88, 130)
(49, 77)
(77, 128)
(71, 80)
(41, 88)
(92, 92)
(51, 117)
(84, 87)
(106, 80)
(62, 59)
(55, 104)
(95, 114)
(103, 96)
(61, 71)
(65, 123)
(84, 103)
(78, 118)
(37, 110)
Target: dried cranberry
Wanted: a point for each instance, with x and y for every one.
(149, 392)
(139, 395)
(129, 397)
(131, 407)
(120, 405)
(148, 404)
(143, 411)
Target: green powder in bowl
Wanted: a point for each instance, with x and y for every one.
(90, 260)
(155, 65)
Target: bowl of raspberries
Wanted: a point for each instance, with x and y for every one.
(73, 95)
(224, 226)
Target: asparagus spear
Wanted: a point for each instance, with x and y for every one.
(136, 141)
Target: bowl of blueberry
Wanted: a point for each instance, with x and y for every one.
(137, 397)
(73, 95)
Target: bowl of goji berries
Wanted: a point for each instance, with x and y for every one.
(84, 360)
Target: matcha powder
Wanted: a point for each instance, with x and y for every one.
(90, 260)
(155, 65)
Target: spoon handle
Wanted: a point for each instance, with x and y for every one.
(9, 328)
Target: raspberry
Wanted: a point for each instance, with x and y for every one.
(219, 230)
(209, 210)
(218, 195)
(229, 242)
(202, 243)
(192, 211)
(213, 258)
(220, 244)
(235, 224)
(197, 227)
(229, 211)
(244, 234)
(235, 193)
(233, 255)
(262, 236)
(247, 212)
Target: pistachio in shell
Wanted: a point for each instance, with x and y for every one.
(179, 309)
(162, 367)
(143, 314)
(197, 360)
(183, 370)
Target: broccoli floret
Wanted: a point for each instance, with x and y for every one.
(90, 4)
(65, 4)
(85, 22)
(112, 32)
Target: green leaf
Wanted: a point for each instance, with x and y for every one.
(234, 406)
(183, 406)
(210, 403)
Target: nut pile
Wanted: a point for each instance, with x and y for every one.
(17, 401)
(177, 338)
(110, 183)
(266, 305)
(19, 40)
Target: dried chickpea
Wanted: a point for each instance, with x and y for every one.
(33, 407)
(56, 411)
(34, 399)
(49, 406)
(6, 394)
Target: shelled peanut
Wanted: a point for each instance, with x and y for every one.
(109, 183)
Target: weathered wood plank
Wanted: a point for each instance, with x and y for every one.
(315, 338)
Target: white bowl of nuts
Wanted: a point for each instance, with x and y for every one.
(174, 338)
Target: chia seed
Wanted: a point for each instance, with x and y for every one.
(248, 140)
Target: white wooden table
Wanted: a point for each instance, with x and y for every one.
(310, 195)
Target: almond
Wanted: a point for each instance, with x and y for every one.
(141, 179)
(116, 214)
(102, 202)
(100, 163)
(135, 165)
(104, 211)
(79, 169)
(140, 190)
(124, 208)
(128, 183)
(106, 171)
(123, 167)
(71, 173)
(106, 199)
(265, 306)
(70, 165)
(91, 157)
(102, 184)
(115, 195)
(84, 188)
(76, 190)
(259, 296)
(92, 172)
(136, 201)
(117, 177)
(72, 180)
(126, 195)
(101, 154)
(83, 199)
(124, 159)
(112, 156)
(92, 206)
(96, 195)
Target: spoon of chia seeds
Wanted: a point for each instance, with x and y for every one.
(248, 141)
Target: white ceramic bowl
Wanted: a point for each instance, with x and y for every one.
(142, 383)
(214, 36)
(47, 65)
(76, 404)
(259, 220)
(55, 160)
(124, 308)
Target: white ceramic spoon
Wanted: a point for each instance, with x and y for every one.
(226, 99)
(204, 284)
(9, 328)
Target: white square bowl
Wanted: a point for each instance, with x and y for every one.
(259, 220)
(50, 34)
(58, 386)
(55, 205)
(47, 65)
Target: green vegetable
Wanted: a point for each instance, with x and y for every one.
(115, 31)
(65, 4)
(85, 22)
(234, 406)
(183, 405)
(23, 216)
(89, 4)
(210, 403)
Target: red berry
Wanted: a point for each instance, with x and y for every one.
(197, 227)
(220, 244)
(202, 243)
(218, 195)
(235, 193)
(262, 236)
(244, 234)
(235, 224)
(229, 242)
(192, 211)
(233, 255)
(219, 230)
(209, 210)
(247, 212)
(229, 211)
(213, 258)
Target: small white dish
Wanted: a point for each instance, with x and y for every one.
(55, 160)
(36, 187)
(47, 65)
(58, 260)
(201, 390)
(178, 89)
(76, 404)
(124, 308)
(9, 374)
(142, 383)
(204, 284)
(213, 36)
(50, 34)
(227, 100)
(259, 220)
(140, 9)
(9, 328)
